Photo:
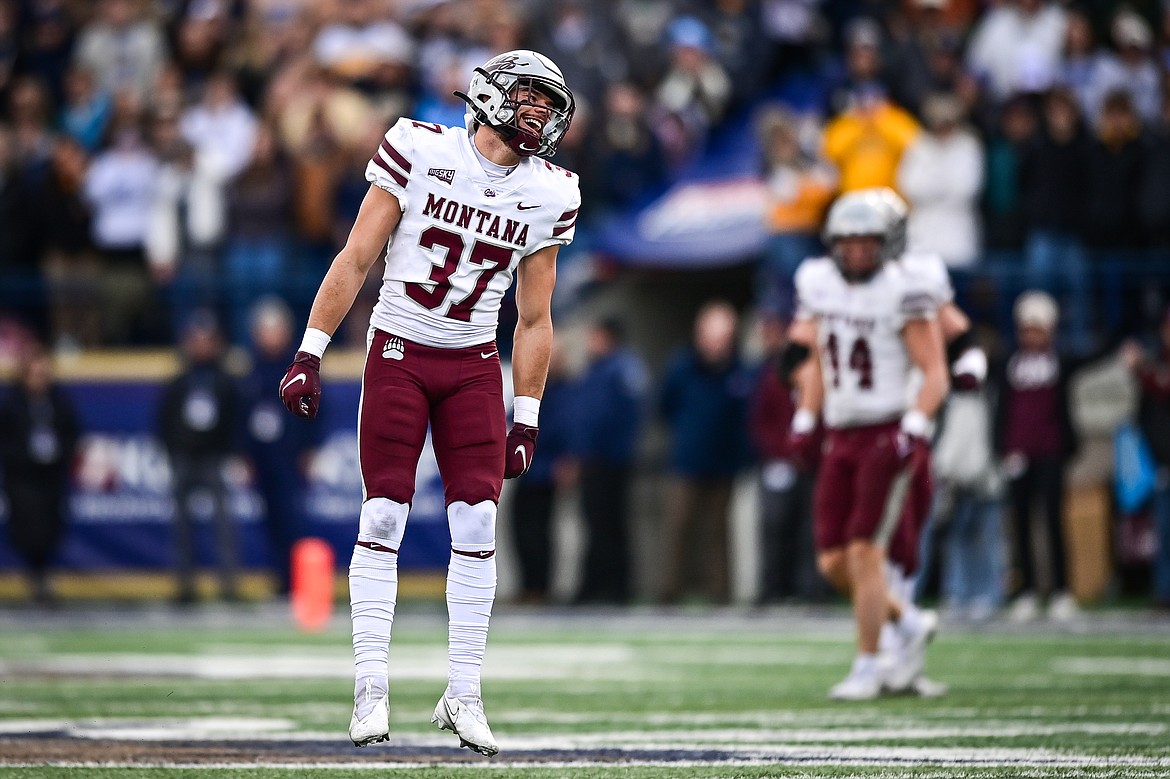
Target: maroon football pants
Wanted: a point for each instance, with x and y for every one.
(459, 392)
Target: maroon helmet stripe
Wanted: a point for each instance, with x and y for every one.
(481, 555)
(375, 546)
(568, 214)
(381, 163)
(394, 155)
(564, 228)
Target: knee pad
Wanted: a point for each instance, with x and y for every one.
(383, 521)
(473, 527)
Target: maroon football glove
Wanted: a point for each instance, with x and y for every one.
(912, 450)
(520, 449)
(300, 389)
(805, 448)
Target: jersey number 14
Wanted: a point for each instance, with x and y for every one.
(860, 360)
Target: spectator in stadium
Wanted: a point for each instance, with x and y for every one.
(197, 420)
(60, 222)
(22, 288)
(122, 47)
(1153, 377)
(863, 69)
(704, 399)
(585, 38)
(120, 190)
(86, 112)
(924, 53)
(867, 138)
(610, 403)
(800, 187)
(1017, 46)
(1154, 200)
(38, 435)
(277, 447)
(1053, 186)
(694, 93)
(49, 33)
(257, 252)
(220, 128)
(1112, 220)
(535, 493)
(30, 115)
(199, 32)
(739, 45)
(1035, 439)
(1080, 59)
(787, 560)
(1130, 69)
(944, 218)
(628, 162)
(1003, 221)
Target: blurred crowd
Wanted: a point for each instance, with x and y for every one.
(162, 155)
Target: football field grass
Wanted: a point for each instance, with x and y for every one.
(641, 693)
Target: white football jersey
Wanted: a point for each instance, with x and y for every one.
(864, 360)
(455, 251)
(932, 272)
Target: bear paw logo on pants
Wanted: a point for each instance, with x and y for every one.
(394, 348)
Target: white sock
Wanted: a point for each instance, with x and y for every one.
(471, 590)
(373, 593)
(864, 662)
(911, 620)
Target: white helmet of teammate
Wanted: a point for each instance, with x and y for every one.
(491, 100)
(865, 212)
(899, 213)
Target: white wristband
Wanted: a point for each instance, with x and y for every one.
(915, 423)
(803, 421)
(526, 410)
(972, 362)
(314, 341)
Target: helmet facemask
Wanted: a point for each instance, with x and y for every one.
(861, 214)
(506, 84)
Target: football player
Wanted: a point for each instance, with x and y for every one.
(968, 366)
(873, 324)
(459, 214)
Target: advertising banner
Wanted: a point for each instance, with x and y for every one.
(120, 505)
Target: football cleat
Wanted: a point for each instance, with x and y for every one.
(370, 723)
(1025, 608)
(911, 654)
(864, 683)
(1063, 608)
(465, 718)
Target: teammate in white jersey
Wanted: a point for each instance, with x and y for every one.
(458, 213)
(873, 325)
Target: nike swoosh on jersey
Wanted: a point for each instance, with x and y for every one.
(523, 457)
(299, 377)
(522, 207)
(486, 355)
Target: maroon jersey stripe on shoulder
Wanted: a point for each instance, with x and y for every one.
(394, 155)
(563, 228)
(568, 215)
(381, 163)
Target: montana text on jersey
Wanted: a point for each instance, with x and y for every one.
(461, 236)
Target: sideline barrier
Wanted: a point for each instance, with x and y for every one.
(120, 505)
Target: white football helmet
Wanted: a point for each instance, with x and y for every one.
(899, 213)
(865, 212)
(491, 100)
